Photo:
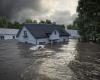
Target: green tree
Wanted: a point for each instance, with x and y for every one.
(3, 22)
(89, 19)
(35, 22)
(45, 22)
(72, 26)
(28, 21)
(16, 25)
(42, 22)
(48, 21)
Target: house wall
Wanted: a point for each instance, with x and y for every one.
(7, 37)
(73, 34)
(45, 40)
(62, 39)
(54, 36)
(6, 33)
(29, 39)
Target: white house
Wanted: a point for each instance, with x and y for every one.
(42, 34)
(73, 34)
(8, 33)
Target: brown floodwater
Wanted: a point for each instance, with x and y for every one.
(17, 62)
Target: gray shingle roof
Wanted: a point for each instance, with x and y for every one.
(43, 30)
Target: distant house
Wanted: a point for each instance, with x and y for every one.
(6, 34)
(73, 33)
(42, 34)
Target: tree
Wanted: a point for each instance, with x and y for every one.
(28, 21)
(45, 22)
(35, 22)
(72, 26)
(10, 25)
(48, 21)
(16, 25)
(42, 22)
(89, 19)
(3, 22)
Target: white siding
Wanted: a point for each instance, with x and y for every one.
(73, 33)
(29, 39)
(46, 40)
(8, 33)
(62, 39)
(54, 36)
(9, 37)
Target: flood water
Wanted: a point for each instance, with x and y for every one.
(17, 62)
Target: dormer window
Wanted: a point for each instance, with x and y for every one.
(25, 34)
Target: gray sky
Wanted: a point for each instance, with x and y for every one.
(60, 11)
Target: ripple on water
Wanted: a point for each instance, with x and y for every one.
(56, 68)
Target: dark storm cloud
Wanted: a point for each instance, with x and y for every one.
(10, 7)
(19, 10)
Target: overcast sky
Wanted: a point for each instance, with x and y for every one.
(60, 11)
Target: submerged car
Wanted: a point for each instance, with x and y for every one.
(37, 47)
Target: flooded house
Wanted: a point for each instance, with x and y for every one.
(74, 34)
(42, 34)
(6, 34)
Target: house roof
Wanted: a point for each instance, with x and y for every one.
(5, 31)
(43, 30)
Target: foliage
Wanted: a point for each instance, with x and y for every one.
(31, 21)
(35, 22)
(72, 26)
(16, 25)
(42, 22)
(28, 21)
(5, 23)
(46, 22)
(89, 19)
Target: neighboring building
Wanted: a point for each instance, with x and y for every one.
(73, 34)
(6, 34)
(42, 34)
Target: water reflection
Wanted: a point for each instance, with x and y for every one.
(17, 62)
(56, 66)
(12, 65)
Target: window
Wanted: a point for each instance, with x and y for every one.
(55, 32)
(25, 34)
(2, 38)
(41, 43)
(13, 37)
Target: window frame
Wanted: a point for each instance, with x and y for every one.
(25, 34)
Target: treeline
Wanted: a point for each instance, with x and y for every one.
(73, 26)
(88, 20)
(5, 23)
